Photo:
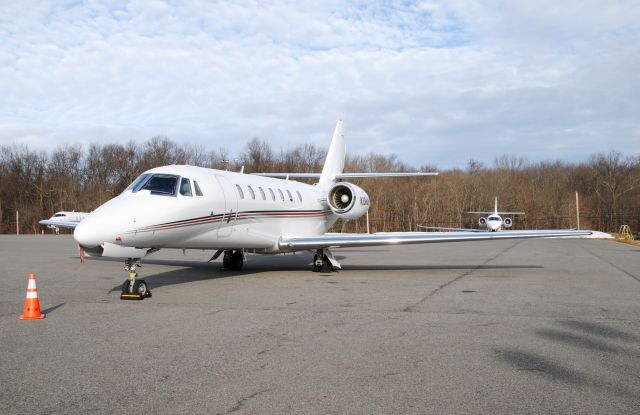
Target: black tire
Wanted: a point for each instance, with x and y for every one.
(125, 286)
(140, 287)
(237, 260)
(226, 259)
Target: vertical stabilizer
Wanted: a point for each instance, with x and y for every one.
(495, 208)
(334, 163)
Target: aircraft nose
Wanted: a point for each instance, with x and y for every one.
(87, 235)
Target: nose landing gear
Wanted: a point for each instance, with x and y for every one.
(133, 289)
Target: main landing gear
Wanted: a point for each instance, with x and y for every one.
(233, 260)
(323, 261)
(133, 289)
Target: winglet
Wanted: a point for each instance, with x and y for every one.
(334, 163)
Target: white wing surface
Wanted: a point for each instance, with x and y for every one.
(59, 223)
(405, 238)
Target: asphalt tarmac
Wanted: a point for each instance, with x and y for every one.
(504, 327)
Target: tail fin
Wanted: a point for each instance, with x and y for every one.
(334, 163)
(495, 209)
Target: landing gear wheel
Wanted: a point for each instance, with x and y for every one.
(140, 287)
(132, 288)
(323, 261)
(327, 267)
(318, 263)
(237, 260)
(226, 259)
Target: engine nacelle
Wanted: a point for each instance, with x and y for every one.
(482, 222)
(508, 222)
(348, 201)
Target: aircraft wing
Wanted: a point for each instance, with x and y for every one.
(59, 223)
(405, 238)
(440, 228)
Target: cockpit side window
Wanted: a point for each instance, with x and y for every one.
(185, 187)
(197, 187)
(161, 184)
(137, 183)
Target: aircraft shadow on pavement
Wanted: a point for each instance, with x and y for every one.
(192, 271)
(587, 336)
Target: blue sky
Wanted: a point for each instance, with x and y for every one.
(435, 82)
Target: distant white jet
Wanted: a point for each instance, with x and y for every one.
(491, 223)
(189, 207)
(65, 219)
(494, 221)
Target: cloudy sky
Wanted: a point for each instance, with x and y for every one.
(435, 82)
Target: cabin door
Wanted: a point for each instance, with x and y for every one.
(230, 207)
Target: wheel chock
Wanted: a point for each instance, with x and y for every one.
(134, 296)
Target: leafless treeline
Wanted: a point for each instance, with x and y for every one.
(38, 183)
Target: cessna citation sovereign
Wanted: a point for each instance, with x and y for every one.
(189, 207)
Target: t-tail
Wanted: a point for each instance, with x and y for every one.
(334, 163)
(333, 169)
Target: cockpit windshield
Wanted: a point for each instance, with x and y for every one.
(135, 186)
(493, 218)
(160, 184)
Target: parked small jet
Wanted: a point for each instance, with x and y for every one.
(189, 207)
(494, 221)
(64, 218)
(491, 223)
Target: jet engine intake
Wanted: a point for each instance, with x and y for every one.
(348, 201)
(508, 222)
(482, 222)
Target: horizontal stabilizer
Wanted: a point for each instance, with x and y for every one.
(499, 213)
(345, 175)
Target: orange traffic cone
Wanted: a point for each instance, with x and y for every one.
(31, 303)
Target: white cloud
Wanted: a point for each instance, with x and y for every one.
(434, 82)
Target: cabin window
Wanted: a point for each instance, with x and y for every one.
(264, 197)
(299, 196)
(281, 194)
(273, 195)
(197, 187)
(185, 187)
(240, 192)
(290, 197)
(137, 183)
(161, 184)
(252, 193)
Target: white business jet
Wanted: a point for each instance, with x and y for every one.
(62, 219)
(494, 221)
(491, 223)
(189, 207)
